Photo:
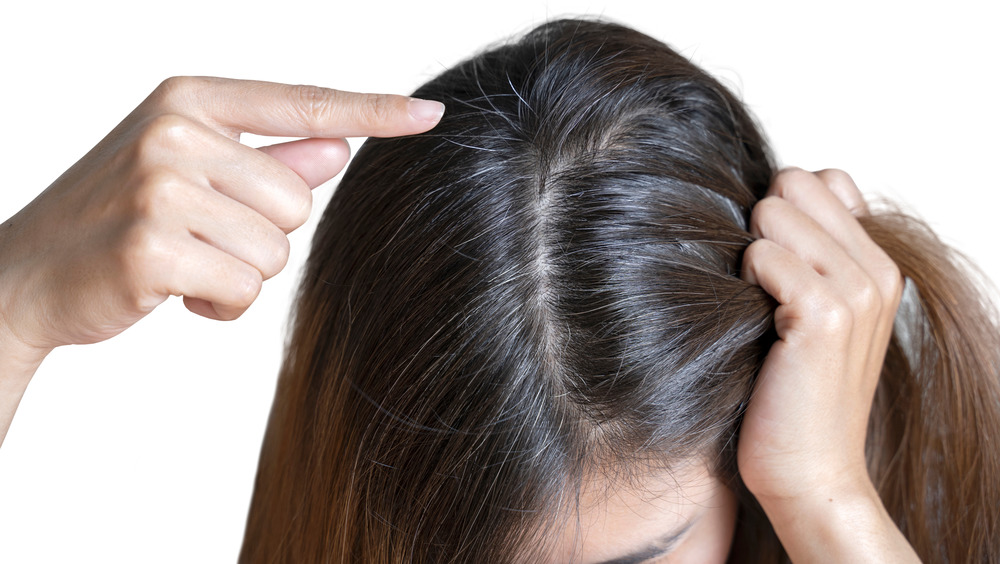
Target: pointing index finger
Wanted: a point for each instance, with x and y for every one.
(285, 110)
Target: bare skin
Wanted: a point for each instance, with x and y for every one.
(684, 516)
(169, 203)
(801, 450)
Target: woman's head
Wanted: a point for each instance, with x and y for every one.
(533, 307)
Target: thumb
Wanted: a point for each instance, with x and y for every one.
(315, 160)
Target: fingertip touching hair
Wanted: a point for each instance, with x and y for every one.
(547, 285)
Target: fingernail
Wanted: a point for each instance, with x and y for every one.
(426, 110)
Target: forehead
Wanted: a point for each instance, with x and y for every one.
(617, 517)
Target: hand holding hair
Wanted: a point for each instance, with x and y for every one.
(170, 203)
(802, 441)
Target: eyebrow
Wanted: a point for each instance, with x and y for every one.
(659, 547)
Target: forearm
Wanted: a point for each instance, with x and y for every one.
(18, 364)
(850, 527)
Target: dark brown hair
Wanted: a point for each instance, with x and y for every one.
(548, 283)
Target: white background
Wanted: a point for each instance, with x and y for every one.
(144, 448)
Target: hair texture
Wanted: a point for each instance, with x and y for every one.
(546, 286)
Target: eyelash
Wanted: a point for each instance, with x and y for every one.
(665, 558)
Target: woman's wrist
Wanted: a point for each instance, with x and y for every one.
(843, 524)
(18, 363)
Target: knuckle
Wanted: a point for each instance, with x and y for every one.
(888, 278)
(756, 251)
(275, 255)
(162, 133)
(300, 206)
(295, 205)
(376, 108)
(142, 255)
(313, 103)
(177, 88)
(845, 189)
(769, 205)
(141, 244)
(155, 193)
(765, 212)
(246, 286)
(866, 298)
(834, 316)
(835, 176)
(791, 180)
(168, 125)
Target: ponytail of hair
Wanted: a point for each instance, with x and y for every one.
(932, 441)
